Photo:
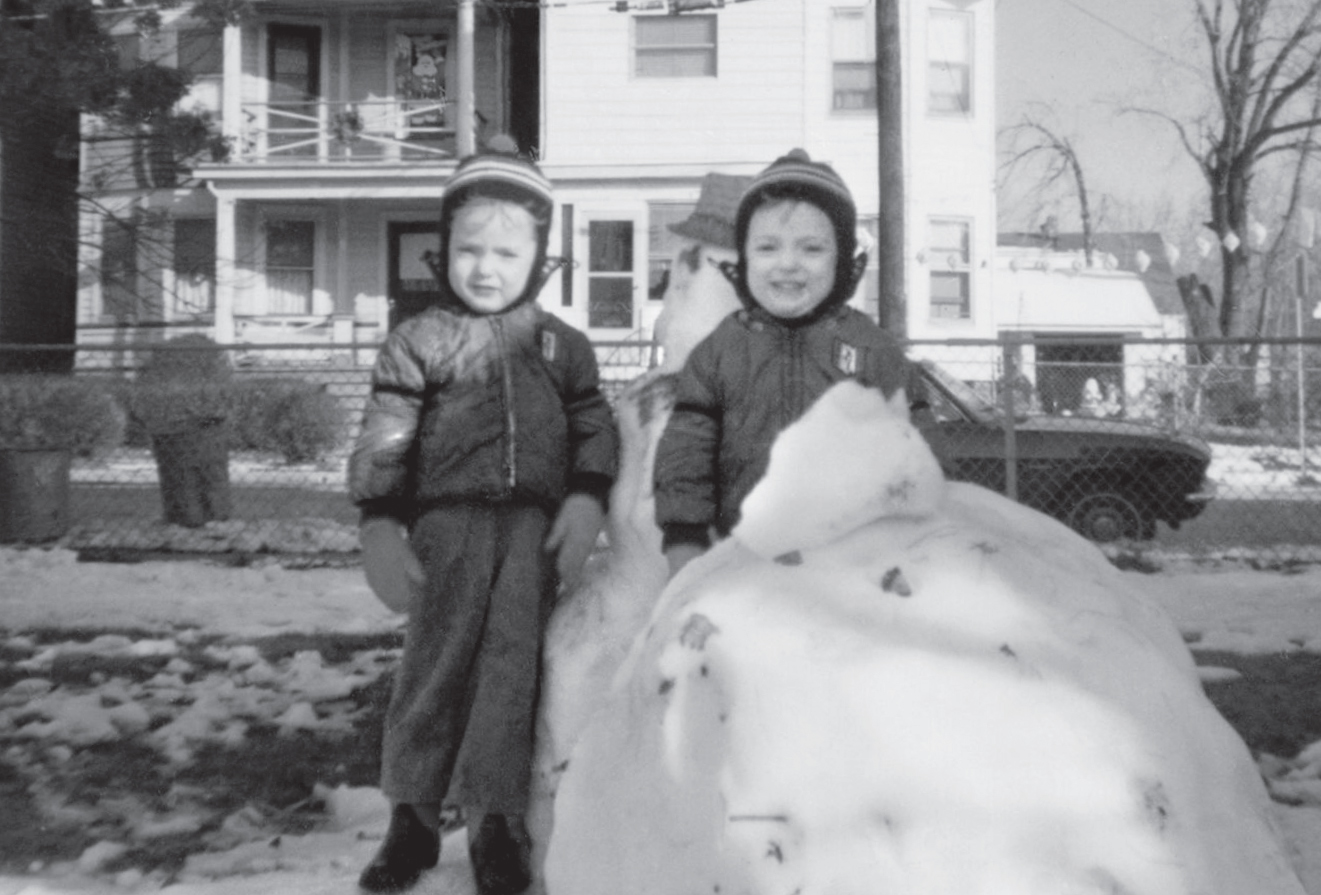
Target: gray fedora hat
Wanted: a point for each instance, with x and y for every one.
(712, 221)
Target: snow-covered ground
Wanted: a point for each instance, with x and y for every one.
(1226, 606)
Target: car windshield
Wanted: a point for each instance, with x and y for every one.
(960, 393)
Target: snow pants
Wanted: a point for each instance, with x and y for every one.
(459, 729)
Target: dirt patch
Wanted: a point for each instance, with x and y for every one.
(1276, 705)
(59, 799)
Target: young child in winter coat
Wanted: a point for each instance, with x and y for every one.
(764, 365)
(482, 470)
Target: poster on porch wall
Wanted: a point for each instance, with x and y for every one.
(419, 83)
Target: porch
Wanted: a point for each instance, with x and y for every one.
(363, 82)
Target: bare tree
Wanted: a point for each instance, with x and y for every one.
(1263, 56)
(1032, 141)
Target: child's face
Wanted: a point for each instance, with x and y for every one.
(492, 247)
(791, 254)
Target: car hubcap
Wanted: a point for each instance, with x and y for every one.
(1106, 519)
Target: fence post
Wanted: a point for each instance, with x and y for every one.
(1010, 364)
(1302, 374)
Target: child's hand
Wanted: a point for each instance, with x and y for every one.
(573, 535)
(392, 568)
(680, 555)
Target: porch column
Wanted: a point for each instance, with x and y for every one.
(464, 139)
(226, 270)
(231, 89)
(342, 317)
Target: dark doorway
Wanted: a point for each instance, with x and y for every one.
(293, 66)
(411, 285)
(524, 78)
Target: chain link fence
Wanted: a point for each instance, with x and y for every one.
(1211, 449)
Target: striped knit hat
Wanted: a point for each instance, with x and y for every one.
(794, 176)
(498, 172)
(499, 165)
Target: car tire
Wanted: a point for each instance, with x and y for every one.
(1109, 516)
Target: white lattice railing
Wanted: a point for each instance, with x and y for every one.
(368, 131)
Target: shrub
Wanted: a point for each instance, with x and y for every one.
(299, 420)
(60, 412)
(185, 386)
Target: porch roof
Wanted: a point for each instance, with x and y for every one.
(405, 180)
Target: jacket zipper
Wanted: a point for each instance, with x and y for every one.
(506, 400)
(794, 403)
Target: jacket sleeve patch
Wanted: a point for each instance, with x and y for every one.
(848, 358)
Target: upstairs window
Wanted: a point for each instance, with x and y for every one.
(949, 62)
(950, 263)
(201, 53)
(853, 58)
(674, 46)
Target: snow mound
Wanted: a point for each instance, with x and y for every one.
(946, 694)
(850, 460)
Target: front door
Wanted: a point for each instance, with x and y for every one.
(612, 282)
(412, 288)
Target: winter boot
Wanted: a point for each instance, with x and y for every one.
(410, 847)
(499, 849)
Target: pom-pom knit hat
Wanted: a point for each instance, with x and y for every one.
(498, 172)
(794, 176)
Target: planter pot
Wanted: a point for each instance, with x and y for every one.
(34, 495)
(194, 474)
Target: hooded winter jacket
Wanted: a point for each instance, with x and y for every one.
(482, 408)
(745, 383)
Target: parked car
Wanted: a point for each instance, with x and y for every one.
(1108, 479)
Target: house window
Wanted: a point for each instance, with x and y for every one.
(674, 46)
(949, 62)
(201, 54)
(950, 261)
(663, 243)
(853, 58)
(119, 270)
(194, 265)
(610, 274)
(290, 266)
(419, 83)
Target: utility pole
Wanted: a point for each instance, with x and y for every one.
(464, 136)
(890, 157)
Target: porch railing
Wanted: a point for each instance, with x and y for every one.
(366, 131)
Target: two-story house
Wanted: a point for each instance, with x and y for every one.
(346, 117)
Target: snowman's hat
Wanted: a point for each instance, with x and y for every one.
(712, 221)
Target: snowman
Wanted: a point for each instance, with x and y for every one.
(880, 682)
(593, 628)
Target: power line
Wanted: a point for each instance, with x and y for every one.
(1134, 38)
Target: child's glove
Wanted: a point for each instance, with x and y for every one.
(573, 535)
(392, 568)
